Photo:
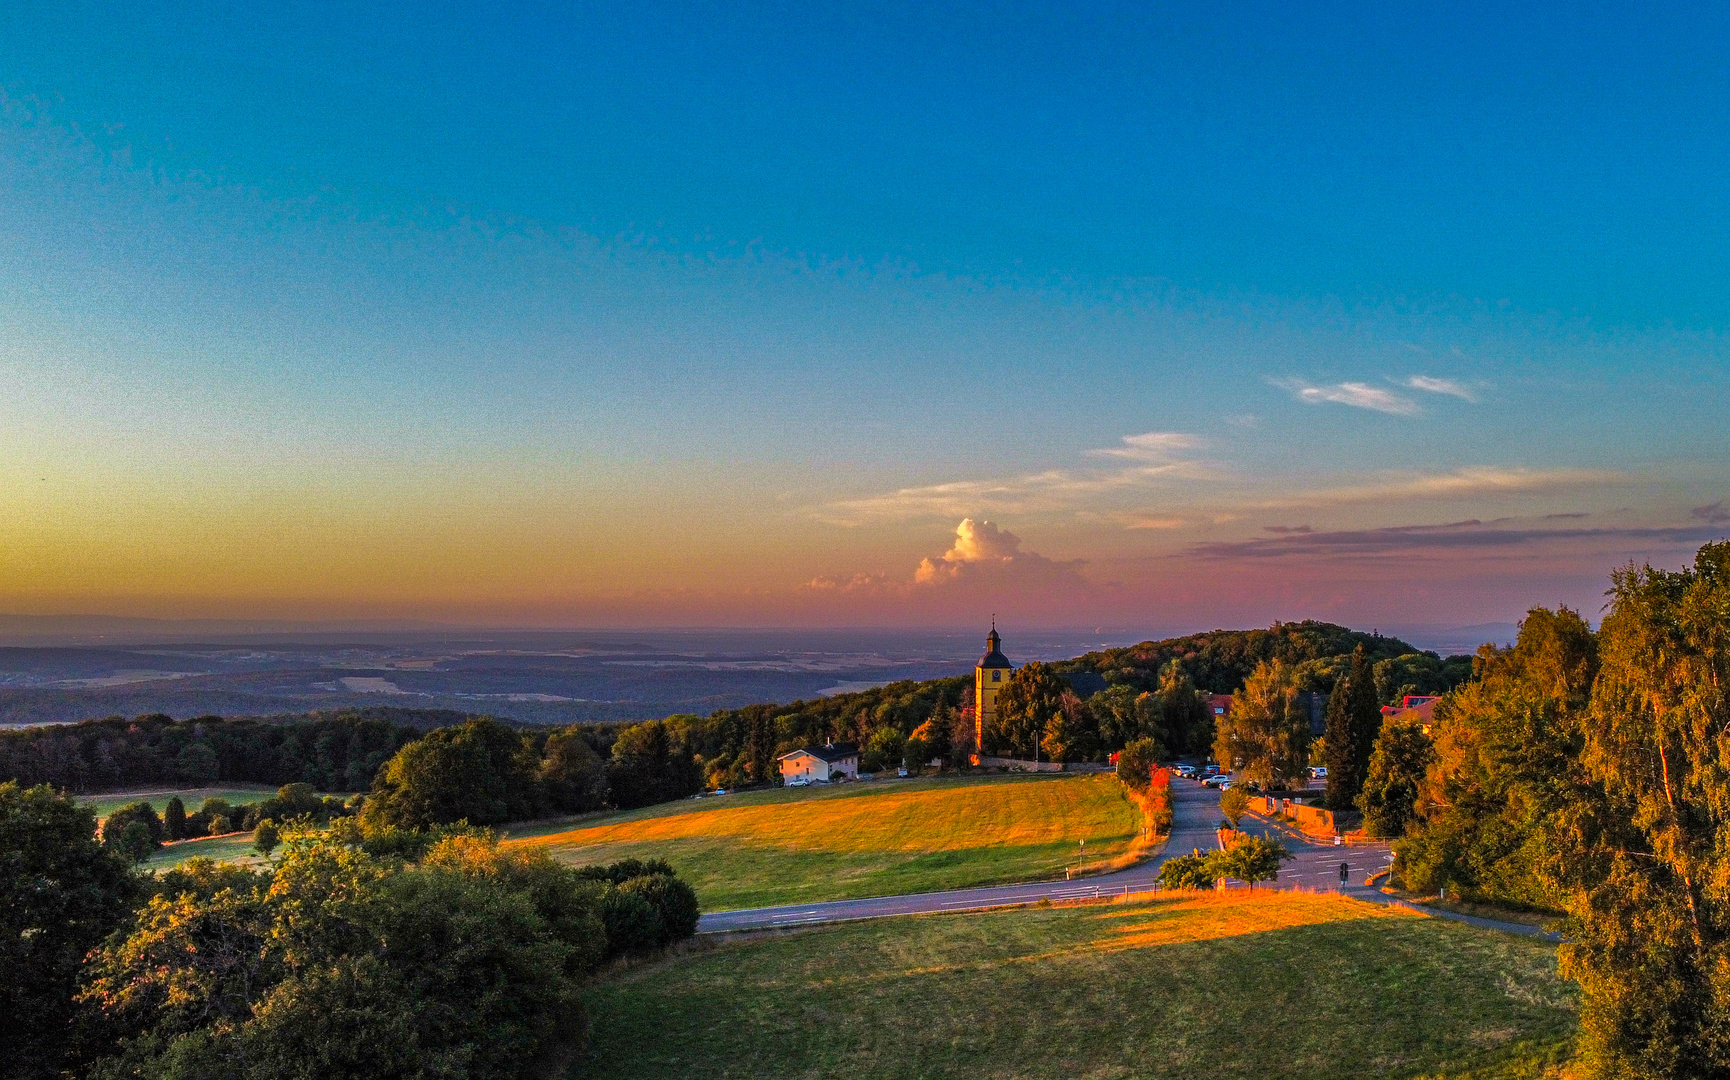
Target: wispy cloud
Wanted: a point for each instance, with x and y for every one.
(1456, 484)
(1153, 458)
(1713, 512)
(1451, 387)
(1356, 394)
(1457, 535)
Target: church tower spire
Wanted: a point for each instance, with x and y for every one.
(989, 676)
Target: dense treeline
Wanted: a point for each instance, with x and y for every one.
(1317, 653)
(1156, 690)
(334, 752)
(360, 953)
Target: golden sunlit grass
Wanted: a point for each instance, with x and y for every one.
(803, 845)
(1174, 985)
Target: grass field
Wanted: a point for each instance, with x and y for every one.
(193, 798)
(236, 847)
(802, 845)
(1228, 985)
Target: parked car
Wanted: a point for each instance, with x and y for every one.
(798, 783)
(1211, 770)
(1216, 780)
(1225, 785)
(1185, 771)
(1318, 772)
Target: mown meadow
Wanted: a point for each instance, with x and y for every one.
(802, 845)
(1284, 984)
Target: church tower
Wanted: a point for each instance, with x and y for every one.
(988, 678)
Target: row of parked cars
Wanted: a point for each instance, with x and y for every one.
(1213, 776)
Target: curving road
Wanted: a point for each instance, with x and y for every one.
(1195, 814)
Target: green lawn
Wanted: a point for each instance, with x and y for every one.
(800, 845)
(236, 847)
(1289, 985)
(106, 803)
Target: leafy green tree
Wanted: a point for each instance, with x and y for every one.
(652, 763)
(1071, 735)
(344, 966)
(1505, 750)
(481, 772)
(1183, 710)
(197, 763)
(1123, 714)
(174, 819)
(1234, 804)
(1136, 762)
(926, 744)
(1390, 796)
(1192, 871)
(266, 836)
(1028, 702)
(1249, 859)
(134, 830)
(61, 893)
(1641, 848)
(1264, 736)
(572, 774)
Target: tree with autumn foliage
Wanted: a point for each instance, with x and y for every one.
(1640, 846)
(1264, 736)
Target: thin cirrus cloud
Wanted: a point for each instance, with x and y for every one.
(1362, 395)
(1451, 387)
(1356, 394)
(1150, 459)
(1462, 483)
(1464, 536)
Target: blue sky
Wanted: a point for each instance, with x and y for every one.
(722, 314)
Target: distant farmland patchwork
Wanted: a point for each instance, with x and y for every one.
(803, 845)
(1220, 985)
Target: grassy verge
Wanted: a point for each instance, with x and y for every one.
(234, 847)
(804, 845)
(108, 802)
(1235, 985)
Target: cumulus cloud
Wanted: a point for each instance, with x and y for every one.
(856, 583)
(1451, 387)
(1357, 394)
(982, 550)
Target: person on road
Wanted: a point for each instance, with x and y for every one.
(1345, 873)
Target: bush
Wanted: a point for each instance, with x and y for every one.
(675, 902)
(1192, 871)
(1234, 804)
(266, 836)
(134, 830)
(632, 921)
(625, 869)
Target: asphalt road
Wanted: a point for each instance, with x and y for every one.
(1195, 815)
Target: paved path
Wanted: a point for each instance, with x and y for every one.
(1194, 818)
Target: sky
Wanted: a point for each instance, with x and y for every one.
(1143, 317)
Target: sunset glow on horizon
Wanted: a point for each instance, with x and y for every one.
(752, 317)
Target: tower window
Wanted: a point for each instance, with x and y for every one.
(997, 676)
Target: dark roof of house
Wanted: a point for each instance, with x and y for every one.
(832, 753)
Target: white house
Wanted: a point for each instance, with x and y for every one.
(828, 762)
